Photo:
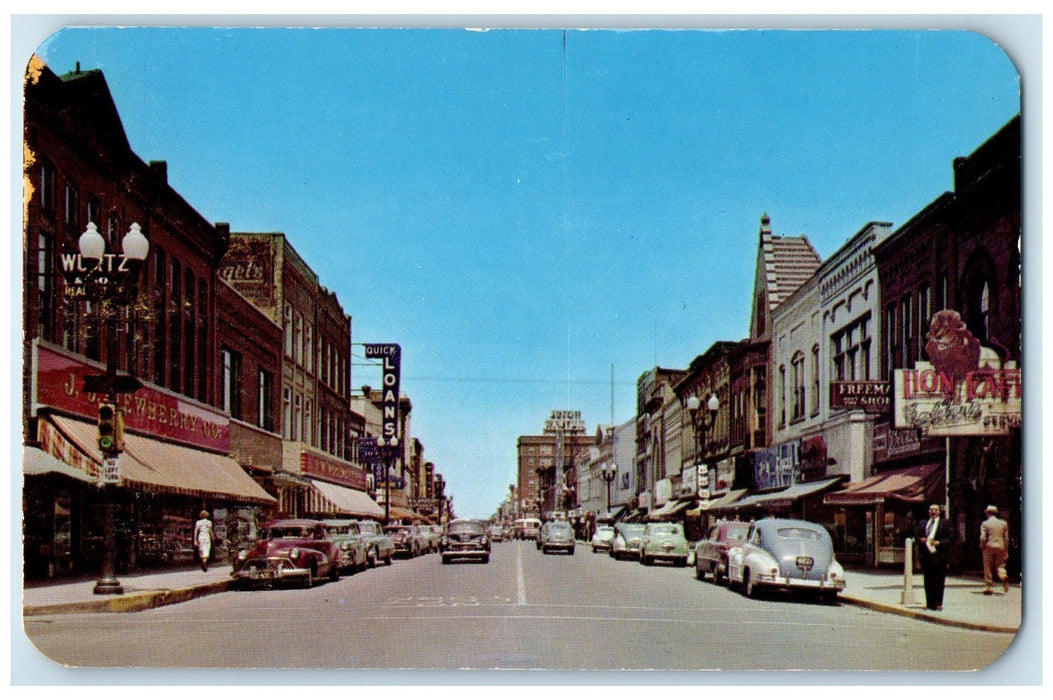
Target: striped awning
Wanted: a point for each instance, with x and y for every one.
(912, 485)
(331, 498)
(163, 467)
(36, 462)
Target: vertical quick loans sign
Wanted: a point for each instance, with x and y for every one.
(391, 356)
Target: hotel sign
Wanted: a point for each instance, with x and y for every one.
(565, 422)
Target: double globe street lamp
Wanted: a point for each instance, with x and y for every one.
(111, 281)
(703, 416)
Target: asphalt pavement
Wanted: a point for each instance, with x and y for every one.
(964, 604)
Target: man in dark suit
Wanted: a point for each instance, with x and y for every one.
(934, 537)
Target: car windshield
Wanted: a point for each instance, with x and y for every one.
(605, 530)
(367, 528)
(286, 532)
(799, 533)
(632, 530)
(666, 529)
(397, 529)
(464, 527)
(560, 527)
(736, 534)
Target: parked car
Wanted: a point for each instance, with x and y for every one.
(352, 546)
(626, 541)
(557, 536)
(380, 546)
(527, 528)
(408, 540)
(711, 554)
(289, 550)
(601, 540)
(786, 554)
(465, 538)
(432, 537)
(496, 532)
(663, 542)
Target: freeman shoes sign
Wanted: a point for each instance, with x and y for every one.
(391, 355)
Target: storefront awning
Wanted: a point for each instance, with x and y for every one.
(671, 509)
(716, 504)
(787, 495)
(613, 514)
(399, 513)
(913, 485)
(36, 462)
(341, 499)
(153, 465)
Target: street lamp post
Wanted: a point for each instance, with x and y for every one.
(608, 472)
(702, 420)
(111, 277)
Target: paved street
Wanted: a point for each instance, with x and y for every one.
(523, 611)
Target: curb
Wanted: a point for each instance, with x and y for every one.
(926, 616)
(133, 602)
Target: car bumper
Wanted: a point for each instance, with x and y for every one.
(792, 583)
(559, 546)
(601, 546)
(454, 551)
(664, 555)
(269, 569)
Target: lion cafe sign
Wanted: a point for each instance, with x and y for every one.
(965, 389)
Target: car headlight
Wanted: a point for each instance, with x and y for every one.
(294, 553)
(243, 555)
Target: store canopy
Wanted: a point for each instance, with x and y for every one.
(346, 501)
(613, 514)
(153, 465)
(398, 513)
(788, 495)
(913, 485)
(671, 509)
(36, 462)
(716, 504)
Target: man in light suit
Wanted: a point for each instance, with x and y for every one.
(934, 537)
(994, 543)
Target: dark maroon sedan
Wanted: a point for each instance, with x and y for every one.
(289, 550)
(711, 554)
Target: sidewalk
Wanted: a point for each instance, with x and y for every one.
(964, 604)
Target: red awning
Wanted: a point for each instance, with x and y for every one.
(912, 485)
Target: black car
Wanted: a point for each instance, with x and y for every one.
(465, 539)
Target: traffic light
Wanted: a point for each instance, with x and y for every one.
(111, 428)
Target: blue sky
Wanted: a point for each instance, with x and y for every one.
(521, 213)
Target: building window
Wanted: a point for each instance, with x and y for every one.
(70, 210)
(298, 339)
(308, 422)
(782, 395)
(850, 351)
(308, 347)
(47, 188)
(297, 418)
(906, 330)
(286, 413)
(798, 385)
(924, 316)
(287, 329)
(265, 397)
(891, 351)
(231, 399)
(815, 380)
(45, 287)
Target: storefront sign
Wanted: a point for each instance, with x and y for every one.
(391, 356)
(889, 442)
(965, 390)
(333, 470)
(871, 396)
(368, 453)
(59, 383)
(776, 466)
(565, 422)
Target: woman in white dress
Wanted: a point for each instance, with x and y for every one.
(203, 539)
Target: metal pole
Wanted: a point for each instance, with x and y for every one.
(907, 596)
(108, 583)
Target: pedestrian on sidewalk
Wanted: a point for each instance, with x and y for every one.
(934, 537)
(994, 543)
(203, 539)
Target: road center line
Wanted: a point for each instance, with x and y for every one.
(520, 585)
